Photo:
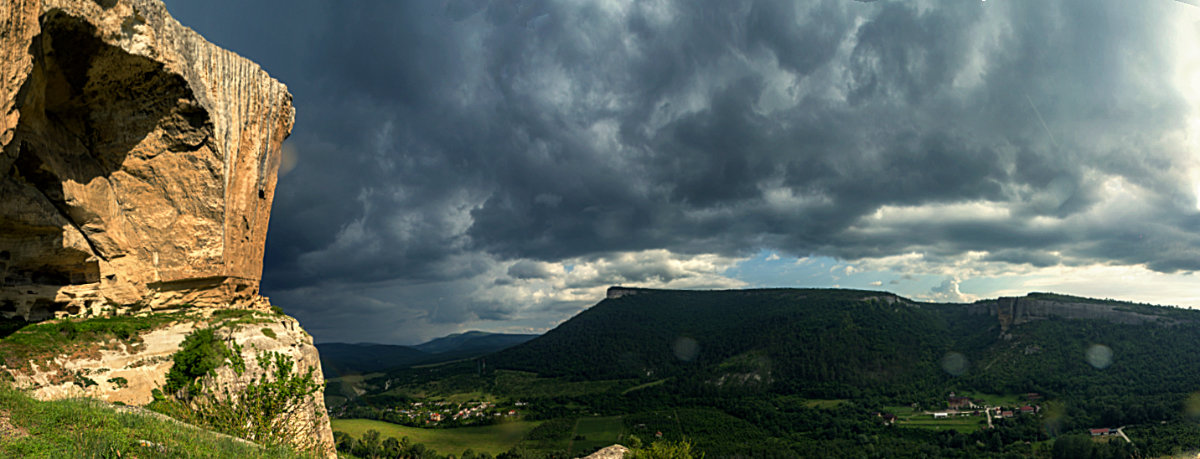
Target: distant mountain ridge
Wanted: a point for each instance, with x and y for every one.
(338, 359)
(473, 341)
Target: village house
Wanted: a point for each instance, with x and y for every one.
(959, 402)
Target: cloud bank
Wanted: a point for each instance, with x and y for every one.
(495, 164)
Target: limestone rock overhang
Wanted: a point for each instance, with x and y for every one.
(139, 161)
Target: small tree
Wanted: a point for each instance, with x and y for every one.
(269, 409)
(369, 445)
(666, 450)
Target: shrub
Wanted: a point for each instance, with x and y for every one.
(201, 353)
(265, 411)
(664, 450)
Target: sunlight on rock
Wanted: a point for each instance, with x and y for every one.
(686, 349)
(954, 363)
(1099, 356)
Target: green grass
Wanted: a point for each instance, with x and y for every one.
(900, 411)
(644, 386)
(45, 340)
(493, 439)
(518, 384)
(997, 400)
(966, 424)
(87, 428)
(355, 379)
(597, 432)
(231, 317)
(825, 404)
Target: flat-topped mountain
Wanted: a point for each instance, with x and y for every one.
(830, 342)
(835, 372)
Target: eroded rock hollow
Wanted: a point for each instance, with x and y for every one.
(139, 161)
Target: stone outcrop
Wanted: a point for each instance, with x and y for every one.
(1012, 311)
(617, 292)
(611, 452)
(138, 164)
(139, 161)
(115, 371)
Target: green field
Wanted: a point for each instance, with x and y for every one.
(597, 432)
(997, 400)
(643, 386)
(521, 384)
(494, 439)
(965, 424)
(900, 411)
(340, 389)
(817, 403)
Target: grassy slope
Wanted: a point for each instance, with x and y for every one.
(597, 432)
(86, 428)
(494, 439)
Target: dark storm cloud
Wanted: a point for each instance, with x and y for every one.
(435, 139)
(526, 269)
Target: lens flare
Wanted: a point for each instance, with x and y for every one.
(1191, 406)
(1099, 356)
(686, 349)
(954, 363)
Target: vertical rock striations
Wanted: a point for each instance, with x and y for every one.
(138, 167)
(1013, 311)
(140, 161)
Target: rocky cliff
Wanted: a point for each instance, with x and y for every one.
(139, 163)
(1012, 311)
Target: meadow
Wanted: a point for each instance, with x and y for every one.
(88, 428)
(493, 439)
(593, 433)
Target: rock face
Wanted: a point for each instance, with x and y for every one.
(611, 452)
(117, 372)
(139, 161)
(1012, 311)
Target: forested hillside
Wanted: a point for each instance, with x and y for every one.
(339, 359)
(817, 342)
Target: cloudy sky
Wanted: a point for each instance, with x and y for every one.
(464, 164)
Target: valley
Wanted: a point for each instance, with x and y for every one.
(819, 373)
